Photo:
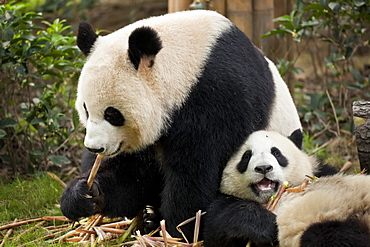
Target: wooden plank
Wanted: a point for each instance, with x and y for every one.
(240, 12)
(178, 5)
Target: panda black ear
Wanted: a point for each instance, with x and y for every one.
(144, 43)
(297, 138)
(86, 37)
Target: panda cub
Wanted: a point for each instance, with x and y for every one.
(252, 175)
(331, 211)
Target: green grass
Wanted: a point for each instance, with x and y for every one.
(29, 198)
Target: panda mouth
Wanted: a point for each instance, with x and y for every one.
(266, 185)
(118, 150)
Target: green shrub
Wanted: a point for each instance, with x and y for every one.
(40, 66)
(343, 27)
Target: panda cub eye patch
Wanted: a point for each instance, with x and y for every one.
(114, 116)
(279, 157)
(243, 164)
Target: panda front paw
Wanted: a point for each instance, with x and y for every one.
(151, 219)
(78, 201)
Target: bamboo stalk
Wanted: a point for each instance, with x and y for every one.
(19, 223)
(197, 226)
(112, 230)
(118, 223)
(164, 233)
(184, 223)
(56, 178)
(278, 196)
(93, 223)
(28, 230)
(7, 235)
(128, 232)
(94, 170)
(42, 238)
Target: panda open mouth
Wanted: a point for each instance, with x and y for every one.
(266, 185)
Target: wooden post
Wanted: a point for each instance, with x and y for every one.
(178, 5)
(263, 14)
(240, 12)
(219, 6)
(361, 109)
(283, 47)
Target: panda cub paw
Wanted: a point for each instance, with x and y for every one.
(78, 201)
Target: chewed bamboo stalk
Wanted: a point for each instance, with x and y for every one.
(94, 170)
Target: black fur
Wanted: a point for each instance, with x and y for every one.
(143, 41)
(235, 94)
(86, 38)
(114, 116)
(232, 222)
(279, 157)
(349, 233)
(297, 138)
(326, 170)
(233, 98)
(126, 183)
(243, 164)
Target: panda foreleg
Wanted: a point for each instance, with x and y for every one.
(351, 232)
(78, 201)
(233, 222)
(122, 187)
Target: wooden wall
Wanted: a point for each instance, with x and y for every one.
(253, 17)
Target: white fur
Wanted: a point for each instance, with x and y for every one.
(338, 197)
(283, 117)
(260, 143)
(144, 98)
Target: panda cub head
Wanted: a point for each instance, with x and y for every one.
(263, 163)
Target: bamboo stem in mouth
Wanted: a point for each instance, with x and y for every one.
(94, 170)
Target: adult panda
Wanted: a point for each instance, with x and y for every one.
(331, 211)
(170, 99)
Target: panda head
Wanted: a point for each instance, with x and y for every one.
(112, 100)
(263, 163)
(137, 76)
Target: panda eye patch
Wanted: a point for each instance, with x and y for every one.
(243, 164)
(279, 157)
(114, 116)
(86, 112)
(275, 152)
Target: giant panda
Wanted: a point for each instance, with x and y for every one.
(331, 211)
(167, 100)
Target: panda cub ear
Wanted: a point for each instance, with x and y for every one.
(297, 138)
(144, 44)
(86, 38)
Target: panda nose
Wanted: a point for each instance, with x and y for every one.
(263, 169)
(95, 150)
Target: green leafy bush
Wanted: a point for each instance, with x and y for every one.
(342, 27)
(40, 66)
